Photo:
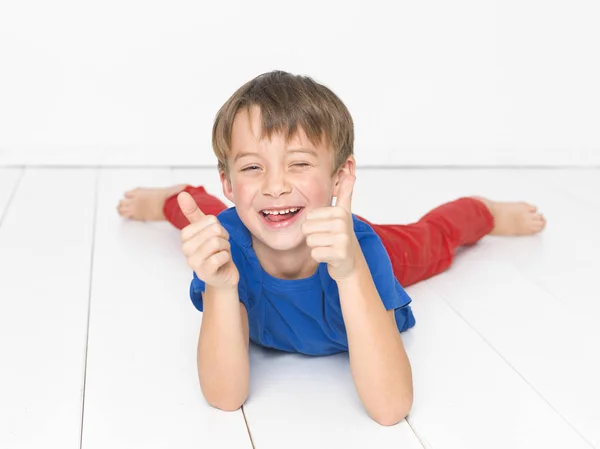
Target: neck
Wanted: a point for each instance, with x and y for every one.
(288, 265)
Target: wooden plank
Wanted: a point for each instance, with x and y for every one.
(298, 401)
(142, 385)
(584, 184)
(466, 395)
(45, 255)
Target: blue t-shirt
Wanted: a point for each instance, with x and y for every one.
(303, 315)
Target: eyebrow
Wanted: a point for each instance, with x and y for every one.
(295, 150)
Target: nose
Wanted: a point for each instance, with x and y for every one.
(276, 184)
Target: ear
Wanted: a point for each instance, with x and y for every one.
(349, 167)
(227, 188)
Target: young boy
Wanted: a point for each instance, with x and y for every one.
(289, 270)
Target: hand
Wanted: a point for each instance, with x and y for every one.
(329, 232)
(205, 244)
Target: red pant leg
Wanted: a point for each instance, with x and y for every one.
(207, 203)
(426, 248)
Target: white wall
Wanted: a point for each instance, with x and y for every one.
(430, 82)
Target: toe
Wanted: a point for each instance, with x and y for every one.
(124, 211)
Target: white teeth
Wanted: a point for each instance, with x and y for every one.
(281, 212)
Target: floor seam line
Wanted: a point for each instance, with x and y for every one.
(87, 335)
(12, 195)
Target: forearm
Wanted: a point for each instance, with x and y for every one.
(379, 364)
(223, 360)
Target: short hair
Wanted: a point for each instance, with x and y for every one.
(287, 101)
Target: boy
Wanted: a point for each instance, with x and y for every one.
(289, 270)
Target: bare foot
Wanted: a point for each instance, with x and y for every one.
(146, 204)
(514, 218)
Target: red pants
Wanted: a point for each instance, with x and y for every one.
(417, 251)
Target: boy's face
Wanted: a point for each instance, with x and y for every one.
(269, 176)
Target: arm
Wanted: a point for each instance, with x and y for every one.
(380, 367)
(223, 360)
(379, 364)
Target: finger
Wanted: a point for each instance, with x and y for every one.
(345, 189)
(205, 248)
(324, 254)
(204, 229)
(189, 207)
(212, 264)
(323, 213)
(313, 226)
(320, 240)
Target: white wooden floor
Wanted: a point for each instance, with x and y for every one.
(98, 335)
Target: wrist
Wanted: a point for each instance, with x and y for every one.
(351, 278)
(222, 288)
(222, 292)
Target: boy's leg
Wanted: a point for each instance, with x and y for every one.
(208, 204)
(423, 249)
(160, 203)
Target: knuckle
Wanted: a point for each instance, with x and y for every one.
(216, 242)
(217, 260)
(185, 233)
(186, 249)
(194, 263)
(214, 229)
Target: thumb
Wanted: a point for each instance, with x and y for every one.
(189, 207)
(345, 189)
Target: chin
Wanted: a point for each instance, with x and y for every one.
(281, 242)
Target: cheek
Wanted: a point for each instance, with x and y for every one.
(243, 190)
(317, 188)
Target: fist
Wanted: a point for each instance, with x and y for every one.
(330, 234)
(205, 244)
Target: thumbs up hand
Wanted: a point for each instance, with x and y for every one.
(205, 244)
(329, 232)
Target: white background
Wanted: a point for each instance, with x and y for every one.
(428, 83)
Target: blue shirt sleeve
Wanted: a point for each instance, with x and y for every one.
(197, 287)
(391, 292)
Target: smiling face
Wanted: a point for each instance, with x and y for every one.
(274, 183)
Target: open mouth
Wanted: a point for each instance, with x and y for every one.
(277, 216)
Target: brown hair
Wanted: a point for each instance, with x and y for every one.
(287, 101)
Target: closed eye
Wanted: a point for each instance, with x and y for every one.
(250, 168)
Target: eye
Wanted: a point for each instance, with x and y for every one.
(251, 168)
(301, 164)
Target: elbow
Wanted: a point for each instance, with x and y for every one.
(392, 414)
(227, 404)
(226, 399)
